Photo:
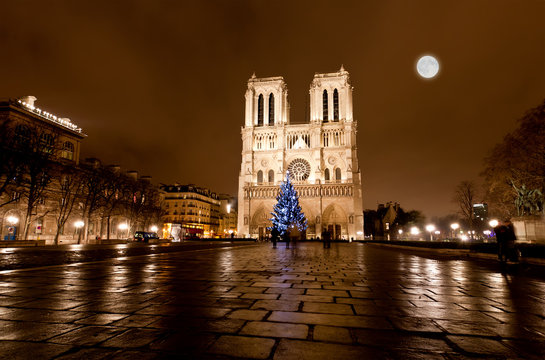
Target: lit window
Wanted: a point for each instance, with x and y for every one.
(68, 150)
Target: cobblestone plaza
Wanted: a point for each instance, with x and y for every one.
(351, 301)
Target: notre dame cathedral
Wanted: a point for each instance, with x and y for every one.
(321, 157)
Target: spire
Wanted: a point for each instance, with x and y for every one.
(253, 75)
(342, 68)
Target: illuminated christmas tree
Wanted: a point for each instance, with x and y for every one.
(287, 212)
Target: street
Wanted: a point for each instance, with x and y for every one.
(251, 301)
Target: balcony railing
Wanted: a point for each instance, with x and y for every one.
(339, 189)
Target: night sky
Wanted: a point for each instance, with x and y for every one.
(159, 86)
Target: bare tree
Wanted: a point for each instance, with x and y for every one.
(12, 164)
(41, 147)
(94, 185)
(68, 188)
(465, 196)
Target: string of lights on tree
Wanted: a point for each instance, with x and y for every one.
(287, 213)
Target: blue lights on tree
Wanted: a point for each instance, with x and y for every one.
(287, 212)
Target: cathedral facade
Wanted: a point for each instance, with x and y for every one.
(321, 157)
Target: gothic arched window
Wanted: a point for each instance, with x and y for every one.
(325, 108)
(271, 176)
(260, 110)
(260, 177)
(338, 174)
(326, 175)
(271, 109)
(335, 105)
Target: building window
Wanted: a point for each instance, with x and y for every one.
(68, 150)
(271, 176)
(46, 143)
(260, 110)
(271, 109)
(260, 177)
(326, 175)
(325, 109)
(338, 174)
(335, 105)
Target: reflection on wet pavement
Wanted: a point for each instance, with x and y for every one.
(350, 301)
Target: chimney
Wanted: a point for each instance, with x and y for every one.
(29, 100)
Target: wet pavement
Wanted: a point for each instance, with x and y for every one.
(348, 302)
(29, 257)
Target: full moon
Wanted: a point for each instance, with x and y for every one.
(427, 66)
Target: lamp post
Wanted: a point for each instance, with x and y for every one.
(454, 227)
(123, 227)
(430, 228)
(78, 224)
(12, 231)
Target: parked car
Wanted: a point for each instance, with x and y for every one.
(144, 236)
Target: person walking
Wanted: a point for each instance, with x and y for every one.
(511, 250)
(501, 238)
(274, 237)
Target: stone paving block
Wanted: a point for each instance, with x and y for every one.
(365, 302)
(225, 326)
(184, 343)
(87, 353)
(87, 336)
(248, 289)
(133, 338)
(270, 329)
(332, 334)
(136, 321)
(242, 346)
(306, 285)
(307, 350)
(311, 298)
(391, 339)
(370, 322)
(406, 323)
(289, 291)
(24, 330)
(466, 327)
(245, 314)
(482, 346)
(101, 319)
(271, 284)
(327, 308)
(51, 304)
(276, 305)
(46, 316)
(335, 293)
(16, 350)
(260, 296)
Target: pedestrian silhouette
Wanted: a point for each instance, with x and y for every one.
(274, 237)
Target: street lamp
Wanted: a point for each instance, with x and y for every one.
(454, 227)
(415, 231)
(123, 227)
(154, 228)
(430, 228)
(79, 224)
(12, 220)
(493, 223)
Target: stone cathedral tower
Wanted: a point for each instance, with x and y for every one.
(321, 157)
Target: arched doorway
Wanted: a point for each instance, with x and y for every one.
(259, 224)
(336, 222)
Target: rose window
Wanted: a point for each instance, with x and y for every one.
(299, 169)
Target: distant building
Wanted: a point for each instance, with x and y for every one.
(381, 224)
(480, 212)
(22, 120)
(190, 211)
(228, 215)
